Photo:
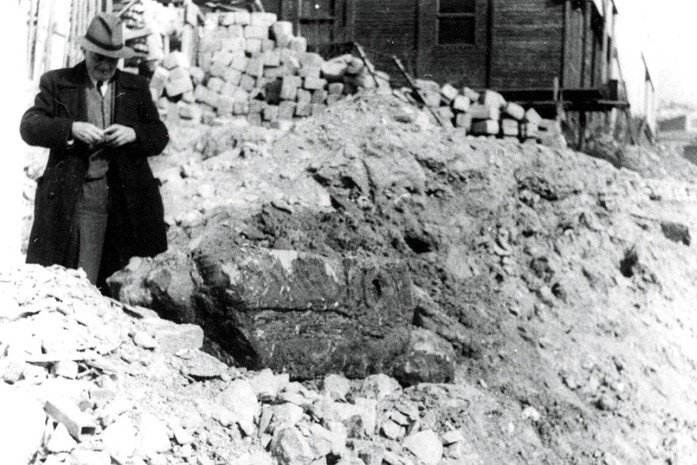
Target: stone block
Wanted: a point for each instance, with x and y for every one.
(217, 70)
(223, 57)
(240, 95)
(274, 73)
(289, 87)
(283, 41)
(298, 44)
(335, 88)
(215, 84)
(510, 127)
(232, 76)
(227, 19)
(178, 82)
(319, 96)
(310, 71)
(354, 65)
(318, 108)
(492, 99)
(260, 18)
(224, 105)
(461, 103)
(242, 18)
(267, 45)
(304, 96)
(532, 116)
(426, 445)
(515, 111)
(239, 62)
(471, 94)
(485, 128)
(286, 110)
(449, 92)
(189, 112)
(176, 59)
(256, 106)
(200, 93)
(303, 109)
(240, 108)
(271, 58)
(247, 82)
(332, 99)
(463, 120)
(484, 112)
(197, 75)
(333, 69)
(529, 131)
(253, 46)
(255, 67)
(446, 114)
(270, 113)
(282, 28)
(254, 119)
(235, 38)
(256, 32)
(314, 83)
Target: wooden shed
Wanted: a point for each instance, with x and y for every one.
(518, 47)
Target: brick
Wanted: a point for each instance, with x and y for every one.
(319, 96)
(255, 67)
(286, 110)
(247, 82)
(256, 106)
(289, 87)
(531, 116)
(215, 84)
(515, 111)
(492, 99)
(310, 71)
(270, 113)
(175, 59)
(529, 131)
(310, 59)
(239, 63)
(260, 18)
(282, 28)
(510, 127)
(232, 76)
(335, 88)
(298, 44)
(314, 83)
(483, 112)
(272, 58)
(449, 92)
(240, 108)
(253, 46)
(234, 44)
(461, 103)
(463, 120)
(288, 55)
(485, 128)
(197, 75)
(256, 32)
(303, 109)
(178, 82)
(304, 96)
(332, 99)
(274, 73)
(283, 41)
(471, 94)
(318, 108)
(224, 105)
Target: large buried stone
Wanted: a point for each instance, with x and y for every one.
(297, 312)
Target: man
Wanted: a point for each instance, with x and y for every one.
(97, 203)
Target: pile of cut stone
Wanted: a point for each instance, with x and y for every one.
(85, 380)
(251, 66)
(488, 114)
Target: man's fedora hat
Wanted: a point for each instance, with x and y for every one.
(105, 36)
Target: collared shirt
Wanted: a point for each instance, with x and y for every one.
(104, 85)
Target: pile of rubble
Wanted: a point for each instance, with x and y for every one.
(86, 380)
(251, 66)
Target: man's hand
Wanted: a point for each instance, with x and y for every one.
(117, 135)
(87, 133)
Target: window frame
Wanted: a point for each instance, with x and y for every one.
(472, 16)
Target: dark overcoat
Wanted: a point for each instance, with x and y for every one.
(136, 219)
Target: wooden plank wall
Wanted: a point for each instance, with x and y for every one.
(527, 43)
(387, 28)
(574, 48)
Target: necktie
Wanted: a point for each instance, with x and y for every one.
(99, 87)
